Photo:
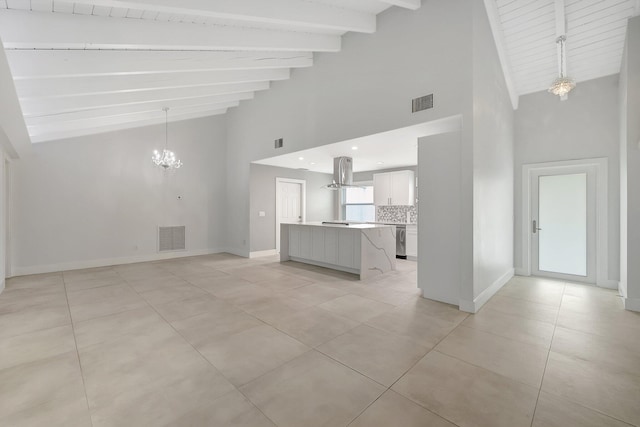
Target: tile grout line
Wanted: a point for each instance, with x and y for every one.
(75, 341)
(403, 374)
(198, 351)
(546, 363)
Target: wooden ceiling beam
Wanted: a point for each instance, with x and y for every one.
(36, 64)
(44, 106)
(38, 30)
(72, 86)
(64, 133)
(139, 107)
(307, 16)
(53, 126)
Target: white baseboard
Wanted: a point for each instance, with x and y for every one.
(258, 254)
(480, 300)
(78, 265)
(622, 289)
(632, 304)
(608, 284)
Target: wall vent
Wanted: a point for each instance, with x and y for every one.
(422, 103)
(278, 143)
(171, 238)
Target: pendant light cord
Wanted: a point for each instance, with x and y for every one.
(166, 128)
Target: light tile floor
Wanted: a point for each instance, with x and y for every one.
(226, 341)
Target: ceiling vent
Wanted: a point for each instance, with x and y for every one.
(422, 103)
(171, 238)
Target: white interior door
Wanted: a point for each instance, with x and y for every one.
(563, 226)
(290, 204)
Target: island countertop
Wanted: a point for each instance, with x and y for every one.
(355, 225)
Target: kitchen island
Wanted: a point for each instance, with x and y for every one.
(364, 249)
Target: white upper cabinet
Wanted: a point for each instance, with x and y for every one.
(394, 188)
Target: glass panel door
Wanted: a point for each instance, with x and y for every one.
(562, 219)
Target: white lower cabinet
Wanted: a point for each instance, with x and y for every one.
(327, 245)
(294, 241)
(412, 240)
(331, 246)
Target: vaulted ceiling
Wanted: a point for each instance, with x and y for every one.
(526, 32)
(92, 66)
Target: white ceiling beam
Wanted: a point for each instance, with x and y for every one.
(72, 86)
(53, 126)
(44, 106)
(499, 40)
(407, 4)
(173, 104)
(38, 30)
(304, 15)
(37, 137)
(26, 64)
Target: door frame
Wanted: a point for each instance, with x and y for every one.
(303, 202)
(602, 229)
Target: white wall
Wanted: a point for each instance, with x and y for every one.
(584, 126)
(98, 200)
(440, 272)
(493, 142)
(365, 89)
(321, 203)
(3, 220)
(630, 158)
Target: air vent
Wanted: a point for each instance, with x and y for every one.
(278, 143)
(171, 238)
(422, 103)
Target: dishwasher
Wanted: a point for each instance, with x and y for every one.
(401, 241)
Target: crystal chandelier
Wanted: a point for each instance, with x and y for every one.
(166, 159)
(563, 84)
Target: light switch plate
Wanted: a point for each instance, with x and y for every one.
(262, 213)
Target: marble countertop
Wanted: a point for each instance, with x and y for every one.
(357, 225)
(392, 223)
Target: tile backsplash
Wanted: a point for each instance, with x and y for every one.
(397, 214)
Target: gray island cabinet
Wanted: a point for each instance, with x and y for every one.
(364, 249)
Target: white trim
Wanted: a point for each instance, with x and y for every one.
(609, 284)
(303, 199)
(499, 40)
(622, 290)
(8, 212)
(480, 300)
(602, 224)
(77, 265)
(521, 272)
(632, 304)
(258, 254)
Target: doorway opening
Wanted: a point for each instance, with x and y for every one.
(290, 203)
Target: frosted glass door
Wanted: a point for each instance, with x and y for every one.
(562, 222)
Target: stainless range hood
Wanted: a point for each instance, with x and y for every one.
(342, 174)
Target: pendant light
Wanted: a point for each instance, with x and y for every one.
(166, 159)
(563, 84)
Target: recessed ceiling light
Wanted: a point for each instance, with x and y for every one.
(300, 158)
(354, 148)
(312, 163)
(381, 163)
